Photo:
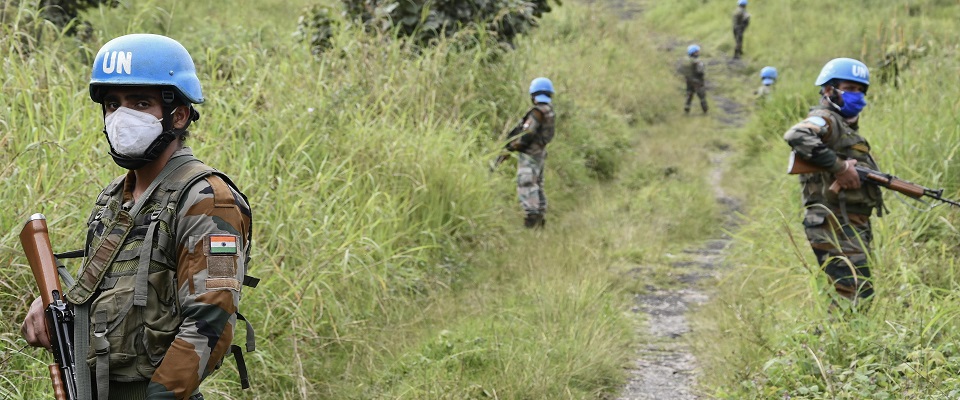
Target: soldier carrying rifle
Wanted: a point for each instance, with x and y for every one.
(156, 299)
(529, 140)
(837, 222)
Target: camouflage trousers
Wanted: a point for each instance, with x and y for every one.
(738, 37)
(701, 92)
(842, 249)
(530, 182)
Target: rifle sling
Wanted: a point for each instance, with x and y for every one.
(81, 345)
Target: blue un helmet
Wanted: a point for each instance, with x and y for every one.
(768, 75)
(742, 2)
(846, 69)
(146, 60)
(692, 49)
(541, 89)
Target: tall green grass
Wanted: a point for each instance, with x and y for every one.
(393, 261)
(777, 336)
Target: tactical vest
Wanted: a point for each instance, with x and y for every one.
(545, 127)
(693, 72)
(128, 281)
(535, 143)
(848, 145)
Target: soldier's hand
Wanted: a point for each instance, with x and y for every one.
(848, 178)
(34, 328)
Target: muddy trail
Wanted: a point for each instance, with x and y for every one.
(665, 367)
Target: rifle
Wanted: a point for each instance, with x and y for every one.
(912, 190)
(510, 135)
(59, 318)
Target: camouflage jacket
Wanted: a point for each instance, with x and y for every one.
(536, 130)
(825, 139)
(179, 328)
(741, 19)
(695, 72)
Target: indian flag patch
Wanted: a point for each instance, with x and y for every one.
(223, 244)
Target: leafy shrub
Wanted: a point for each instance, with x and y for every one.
(425, 21)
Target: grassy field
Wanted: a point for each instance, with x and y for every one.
(394, 262)
(778, 338)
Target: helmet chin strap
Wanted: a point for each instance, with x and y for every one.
(829, 99)
(156, 148)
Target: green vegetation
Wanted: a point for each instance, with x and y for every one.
(425, 22)
(778, 338)
(394, 263)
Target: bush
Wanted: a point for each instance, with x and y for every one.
(425, 21)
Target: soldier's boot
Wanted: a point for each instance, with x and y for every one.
(686, 109)
(703, 105)
(534, 221)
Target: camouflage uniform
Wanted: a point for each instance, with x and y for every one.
(764, 91)
(836, 225)
(537, 129)
(163, 286)
(741, 19)
(695, 74)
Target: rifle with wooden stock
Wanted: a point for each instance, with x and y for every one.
(912, 190)
(59, 317)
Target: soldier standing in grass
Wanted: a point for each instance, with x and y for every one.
(837, 224)
(741, 19)
(167, 243)
(529, 141)
(695, 74)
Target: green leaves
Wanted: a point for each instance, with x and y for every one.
(426, 21)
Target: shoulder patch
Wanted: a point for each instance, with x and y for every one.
(220, 244)
(818, 121)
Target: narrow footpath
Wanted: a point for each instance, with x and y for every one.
(665, 366)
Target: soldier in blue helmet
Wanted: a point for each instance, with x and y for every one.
(768, 76)
(741, 19)
(694, 73)
(529, 140)
(168, 242)
(837, 223)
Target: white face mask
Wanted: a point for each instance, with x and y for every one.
(131, 132)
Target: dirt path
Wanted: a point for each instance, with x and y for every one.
(665, 366)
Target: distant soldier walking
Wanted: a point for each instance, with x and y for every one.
(695, 74)
(529, 140)
(741, 19)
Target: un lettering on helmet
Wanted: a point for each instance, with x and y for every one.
(142, 59)
(119, 62)
(859, 71)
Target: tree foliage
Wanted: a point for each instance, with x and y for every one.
(424, 21)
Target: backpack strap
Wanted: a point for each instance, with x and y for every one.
(168, 176)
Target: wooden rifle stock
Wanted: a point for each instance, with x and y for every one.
(59, 318)
(36, 245)
(912, 190)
